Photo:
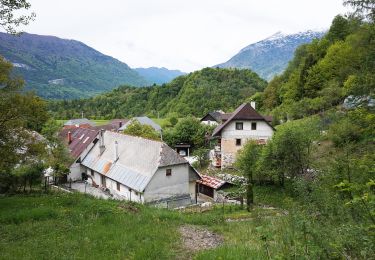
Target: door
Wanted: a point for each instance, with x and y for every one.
(103, 182)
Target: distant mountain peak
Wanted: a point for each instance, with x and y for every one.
(271, 55)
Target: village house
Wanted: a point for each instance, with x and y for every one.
(244, 124)
(143, 120)
(215, 118)
(79, 122)
(140, 170)
(79, 141)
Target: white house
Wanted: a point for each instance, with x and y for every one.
(245, 123)
(140, 169)
(79, 142)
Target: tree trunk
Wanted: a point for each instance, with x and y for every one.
(249, 193)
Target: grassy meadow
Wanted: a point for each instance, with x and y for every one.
(76, 226)
(60, 225)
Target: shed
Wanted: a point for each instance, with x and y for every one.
(183, 149)
(210, 185)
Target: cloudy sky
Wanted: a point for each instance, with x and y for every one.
(177, 34)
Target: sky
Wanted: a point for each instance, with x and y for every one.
(177, 34)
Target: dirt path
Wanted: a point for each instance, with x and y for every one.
(196, 238)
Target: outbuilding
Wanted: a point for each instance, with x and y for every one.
(209, 186)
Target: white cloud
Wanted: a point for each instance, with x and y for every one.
(176, 34)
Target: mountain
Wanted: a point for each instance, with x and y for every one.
(271, 55)
(193, 94)
(156, 75)
(64, 69)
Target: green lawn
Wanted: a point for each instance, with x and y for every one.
(75, 226)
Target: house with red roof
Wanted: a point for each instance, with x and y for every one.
(244, 124)
(79, 141)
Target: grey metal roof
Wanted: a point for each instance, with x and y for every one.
(79, 121)
(138, 159)
(143, 120)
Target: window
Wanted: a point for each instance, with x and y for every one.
(168, 172)
(239, 126)
(118, 186)
(253, 126)
(238, 142)
(92, 172)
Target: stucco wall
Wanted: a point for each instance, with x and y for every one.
(209, 122)
(125, 192)
(229, 135)
(75, 172)
(162, 186)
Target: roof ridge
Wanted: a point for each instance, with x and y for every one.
(234, 114)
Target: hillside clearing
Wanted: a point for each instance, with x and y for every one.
(78, 226)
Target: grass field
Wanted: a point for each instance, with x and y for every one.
(76, 226)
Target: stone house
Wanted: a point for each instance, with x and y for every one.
(244, 124)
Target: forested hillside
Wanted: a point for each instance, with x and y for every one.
(64, 69)
(193, 94)
(322, 74)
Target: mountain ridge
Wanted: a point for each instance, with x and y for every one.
(270, 56)
(65, 68)
(158, 75)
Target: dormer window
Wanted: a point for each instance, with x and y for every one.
(239, 126)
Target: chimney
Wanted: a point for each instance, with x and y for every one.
(252, 104)
(116, 152)
(69, 137)
(101, 141)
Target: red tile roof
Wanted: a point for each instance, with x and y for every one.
(212, 182)
(81, 139)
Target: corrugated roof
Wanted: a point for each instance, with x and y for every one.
(138, 159)
(212, 182)
(82, 138)
(243, 112)
(143, 120)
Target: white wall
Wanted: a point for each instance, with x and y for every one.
(209, 122)
(124, 193)
(263, 131)
(229, 135)
(75, 172)
(162, 186)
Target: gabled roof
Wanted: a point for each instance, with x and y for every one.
(212, 182)
(143, 120)
(215, 115)
(138, 159)
(81, 139)
(243, 112)
(79, 121)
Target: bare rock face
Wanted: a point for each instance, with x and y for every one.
(197, 238)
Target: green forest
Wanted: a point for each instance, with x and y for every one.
(194, 94)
